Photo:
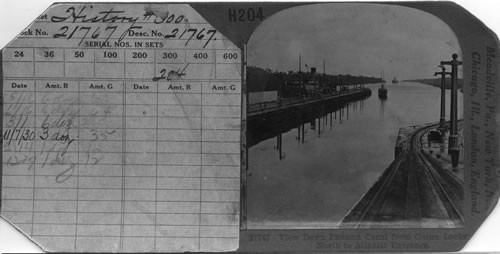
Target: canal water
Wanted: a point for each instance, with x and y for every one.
(317, 182)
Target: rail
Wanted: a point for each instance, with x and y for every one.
(262, 107)
(443, 184)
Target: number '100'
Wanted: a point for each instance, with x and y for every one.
(108, 54)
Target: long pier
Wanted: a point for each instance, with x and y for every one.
(271, 119)
(414, 191)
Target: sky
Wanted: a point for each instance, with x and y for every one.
(356, 39)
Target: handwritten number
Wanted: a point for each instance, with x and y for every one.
(66, 174)
(72, 33)
(94, 134)
(212, 32)
(193, 30)
(111, 33)
(179, 19)
(200, 34)
(62, 32)
(167, 18)
(93, 160)
(96, 33)
(103, 135)
(173, 34)
(45, 132)
(163, 72)
(171, 74)
(12, 121)
(84, 36)
(180, 37)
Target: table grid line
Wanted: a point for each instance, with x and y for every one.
(106, 212)
(171, 141)
(127, 200)
(64, 62)
(102, 188)
(34, 158)
(128, 38)
(163, 236)
(137, 164)
(78, 171)
(113, 48)
(201, 168)
(106, 62)
(124, 145)
(34, 65)
(128, 224)
(99, 176)
(109, 152)
(94, 60)
(156, 166)
(131, 79)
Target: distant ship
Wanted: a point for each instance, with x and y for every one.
(395, 80)
(382, 92)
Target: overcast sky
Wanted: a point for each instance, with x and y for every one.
(358, 39)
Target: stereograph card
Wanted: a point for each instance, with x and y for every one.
(250, 127)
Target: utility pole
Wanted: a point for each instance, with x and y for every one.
(300, 63)
(324, 82)
(300, 75)
(324, 67)
(442, 119)
(453, 147)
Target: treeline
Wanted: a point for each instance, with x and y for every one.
(259, 79)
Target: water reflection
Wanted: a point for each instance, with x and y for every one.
(317, 125)
(382, 108)
(264, 125)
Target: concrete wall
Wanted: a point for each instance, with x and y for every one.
(259, 97)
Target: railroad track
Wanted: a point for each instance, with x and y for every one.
(414, 190)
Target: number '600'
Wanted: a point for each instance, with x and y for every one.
(230, 55)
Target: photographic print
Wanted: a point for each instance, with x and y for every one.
(349, 119)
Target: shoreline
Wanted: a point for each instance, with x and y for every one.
(436, 82)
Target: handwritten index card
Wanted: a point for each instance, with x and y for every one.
(121, 130)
